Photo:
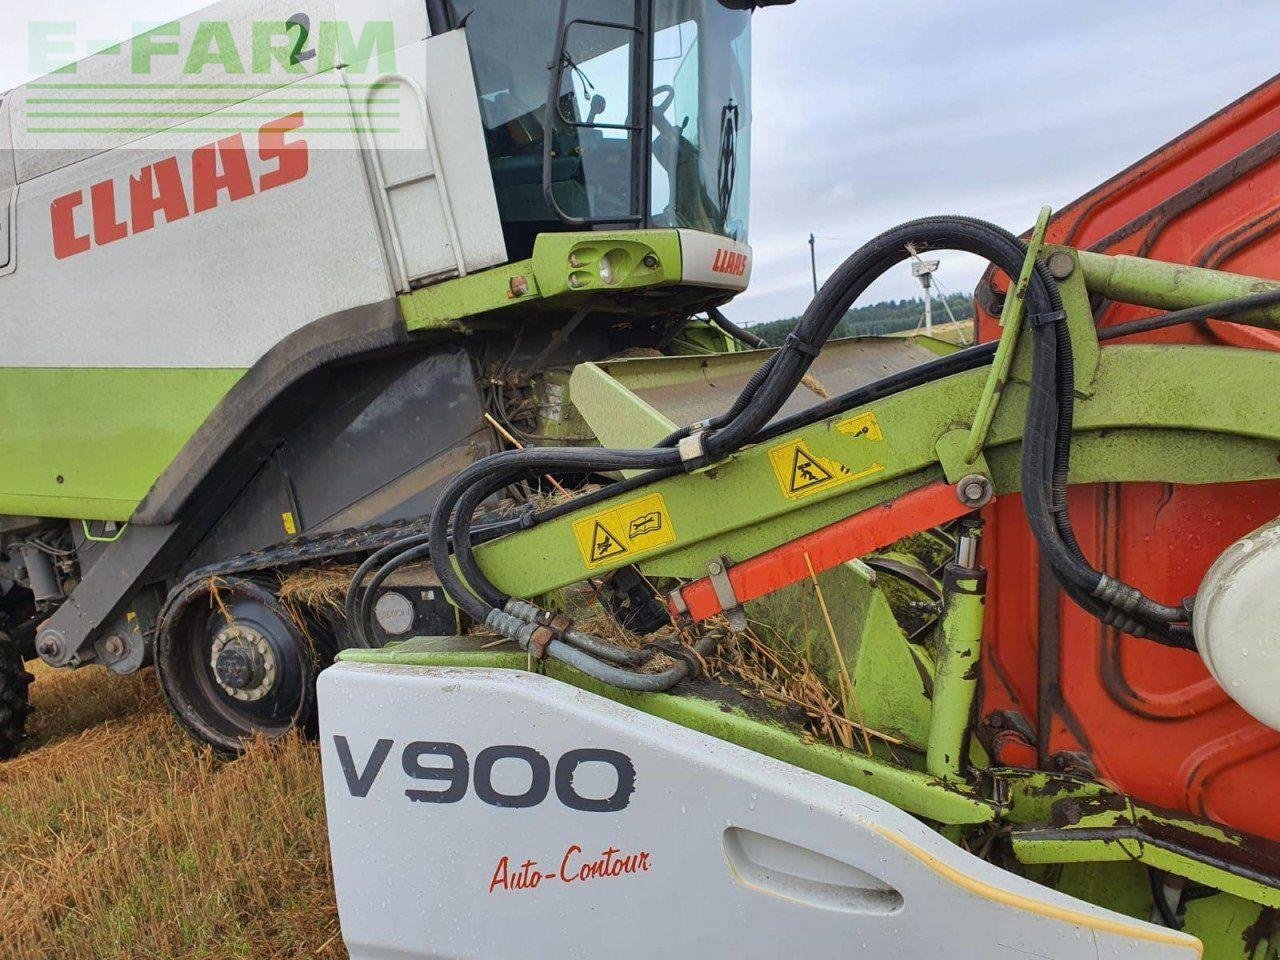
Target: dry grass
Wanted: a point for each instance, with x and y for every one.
(784, 678)
(120, 838)
(317, 589)
(762, 664)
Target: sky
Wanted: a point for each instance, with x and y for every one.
(868, 114)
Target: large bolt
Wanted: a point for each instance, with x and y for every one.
(974, 490)
(1061, 264)
(48, 647)
(114, 646)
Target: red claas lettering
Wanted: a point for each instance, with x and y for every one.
(220, 174)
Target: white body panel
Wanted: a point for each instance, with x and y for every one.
(397, 193)
(712, 261)
(726, 854)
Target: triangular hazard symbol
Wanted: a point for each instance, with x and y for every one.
(807, 472)
(604, 544)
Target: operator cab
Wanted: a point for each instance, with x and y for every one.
(648, 105)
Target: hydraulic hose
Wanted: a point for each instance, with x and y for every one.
(732, 329)
(1045, 462)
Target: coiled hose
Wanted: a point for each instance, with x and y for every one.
(1045, 465)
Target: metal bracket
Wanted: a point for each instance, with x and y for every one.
(718, 571)
(676, 601)
(1011, 324)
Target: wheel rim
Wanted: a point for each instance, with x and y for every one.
(235, 665)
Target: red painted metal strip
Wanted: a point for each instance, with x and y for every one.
(847, 539)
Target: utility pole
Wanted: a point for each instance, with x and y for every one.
(924, 271)
(813, 261)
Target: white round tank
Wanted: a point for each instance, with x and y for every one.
(1237, 622)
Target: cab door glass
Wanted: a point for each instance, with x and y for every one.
(596, 129)
(675, 118)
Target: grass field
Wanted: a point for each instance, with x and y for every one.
(120, 838)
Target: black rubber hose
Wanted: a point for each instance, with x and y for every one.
(732, 329)
(357, 623)
(837, 295)
(1226, 311)
(509, 465)
(360, 625)
(1046, 441)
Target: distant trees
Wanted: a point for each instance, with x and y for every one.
(877, 319)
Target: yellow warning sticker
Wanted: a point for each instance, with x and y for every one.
(290, 525)
(801, 473)
(625, 531)
(864, 425)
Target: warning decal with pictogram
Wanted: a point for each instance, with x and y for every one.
(806, 472)
(624, 532)
(801, 473)
(604, 544)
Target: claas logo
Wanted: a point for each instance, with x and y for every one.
(218, 174)
(729, 262)
(649, 523)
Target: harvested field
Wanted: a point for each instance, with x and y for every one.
(120, 839)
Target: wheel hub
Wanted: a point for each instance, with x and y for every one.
(243, 662)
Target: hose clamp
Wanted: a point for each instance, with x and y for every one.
(803, 346)
(1047, 319)
(552, 629)
(678, 605)
(692, 448)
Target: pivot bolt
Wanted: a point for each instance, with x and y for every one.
(114, 646)
(1061, 264)
(48, 647)
(974, 491)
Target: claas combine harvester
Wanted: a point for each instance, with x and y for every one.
(397, 354)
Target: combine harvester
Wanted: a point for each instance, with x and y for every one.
(1044, 566)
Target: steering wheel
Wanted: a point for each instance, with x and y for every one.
(668, 94)
(666, 129)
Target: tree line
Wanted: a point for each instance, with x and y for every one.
(876, 319)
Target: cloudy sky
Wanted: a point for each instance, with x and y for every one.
(871, 113)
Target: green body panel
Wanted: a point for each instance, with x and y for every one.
(1173, 286)
(1106, 831)
(89, 443)
(1184, 394)
(620, 417)
(892, 678)
(955, 683)
(915, 792)
(1234, 929)
(563, 265)
(1229, 927)
(109, 433)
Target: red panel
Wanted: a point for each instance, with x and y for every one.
(1151, 719)
(854, 536)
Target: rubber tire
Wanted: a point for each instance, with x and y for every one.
(182, 688)
(14, 705)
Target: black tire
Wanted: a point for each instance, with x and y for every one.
(14, 705)
(209, 711)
